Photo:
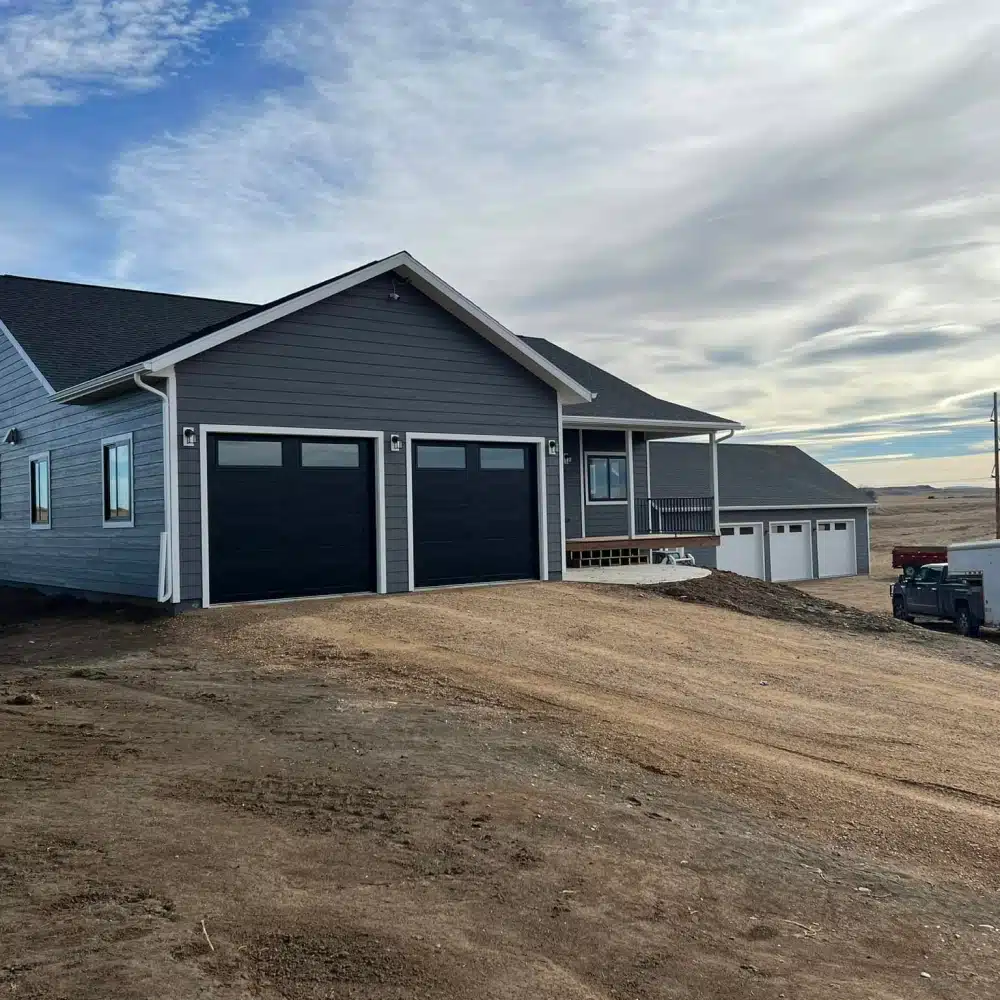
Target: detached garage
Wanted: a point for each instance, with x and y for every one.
(783, 516)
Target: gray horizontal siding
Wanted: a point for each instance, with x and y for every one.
(707, 557)
(77, 552)
(571, 475)
(361, 361)
(605, 519)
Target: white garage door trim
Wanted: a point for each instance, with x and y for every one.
(758, 527)
(850, 532)
(807, 532)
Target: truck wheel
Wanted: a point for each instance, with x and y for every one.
(966, 624)
(899, 610)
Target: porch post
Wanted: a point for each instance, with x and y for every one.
(631, 484)
(583, 487)
(562, 485)
(713, 448)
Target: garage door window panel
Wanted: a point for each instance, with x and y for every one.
(330, 455)
(501, 459)
(248, 453)
(441, 457)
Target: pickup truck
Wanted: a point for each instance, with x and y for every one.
(931, 593)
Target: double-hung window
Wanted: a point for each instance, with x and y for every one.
(41, 511)
(607, 478)
(118, 494)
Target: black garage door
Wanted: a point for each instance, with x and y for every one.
(475, 513)
(289, 517)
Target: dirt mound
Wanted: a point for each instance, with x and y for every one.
(777, 601)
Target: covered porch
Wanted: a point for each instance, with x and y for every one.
(612, 517)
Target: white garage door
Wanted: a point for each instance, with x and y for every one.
(836, 548)
(791, 551)
(742, 549)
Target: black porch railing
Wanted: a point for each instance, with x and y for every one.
(675, 516)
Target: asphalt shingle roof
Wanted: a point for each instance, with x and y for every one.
(615, 397)
(76, 332)
(750, 475)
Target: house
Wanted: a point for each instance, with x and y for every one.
(377, 432)
(783, 515)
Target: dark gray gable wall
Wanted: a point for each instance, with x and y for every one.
(361, 361)
(77, 552)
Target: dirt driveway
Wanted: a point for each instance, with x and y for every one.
(531, 791)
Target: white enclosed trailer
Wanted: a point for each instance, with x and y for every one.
(980, 559)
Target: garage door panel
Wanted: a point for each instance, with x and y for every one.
(836, 547)
(281, 530)
(790, 544)
(475, 520)
(741, 550)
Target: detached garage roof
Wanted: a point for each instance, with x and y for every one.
(616, 398)
(750, 475)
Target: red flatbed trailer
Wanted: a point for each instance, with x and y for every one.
(918, 555)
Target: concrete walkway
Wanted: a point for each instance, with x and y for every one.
(635, 575)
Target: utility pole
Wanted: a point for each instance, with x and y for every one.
(996, 462)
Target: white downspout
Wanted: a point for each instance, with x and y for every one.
(165, 586)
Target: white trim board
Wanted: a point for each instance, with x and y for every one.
(543, 519)
(23, 354)
(377, 436)
(409, 269)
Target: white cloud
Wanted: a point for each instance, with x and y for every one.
(59, 51)
(782, 212)
(876, 458)
(956, 470)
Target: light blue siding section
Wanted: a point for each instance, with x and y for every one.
(78, 552)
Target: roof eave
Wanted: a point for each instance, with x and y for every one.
(84, 390)
(640, 423)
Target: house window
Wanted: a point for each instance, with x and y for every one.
(118, 480)
(41, 512)
(607, 478)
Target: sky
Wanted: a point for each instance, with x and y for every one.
(785, 213)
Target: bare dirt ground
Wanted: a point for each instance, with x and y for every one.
(528, 791)
(933, 518)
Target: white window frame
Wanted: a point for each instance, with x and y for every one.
(32, 459)
(376, 437)
(119, 522)
(586, 479)
(487, 439)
